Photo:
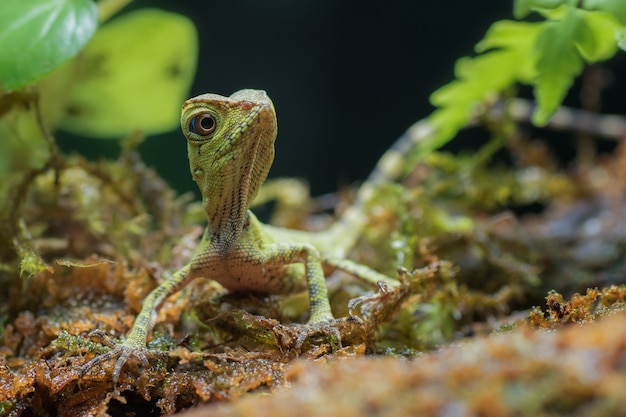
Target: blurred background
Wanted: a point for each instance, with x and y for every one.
(346, 77)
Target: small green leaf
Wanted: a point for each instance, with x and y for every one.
(507, 58)
(558, 63)
(37, 36)
(514, 36)
(615, 7)
(596, 40)
(522, 8)
(133, 75)
(621, 39)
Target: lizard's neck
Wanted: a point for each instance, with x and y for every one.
(227, 196)
(230, 143)
(227, 192)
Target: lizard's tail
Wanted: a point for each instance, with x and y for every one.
(390, 167)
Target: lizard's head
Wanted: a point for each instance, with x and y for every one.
(230, 141)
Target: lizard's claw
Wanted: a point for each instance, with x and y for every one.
(123, 352)
(324, 328)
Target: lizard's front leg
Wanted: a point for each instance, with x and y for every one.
(135, 342)
(320, 312)
(290, 253)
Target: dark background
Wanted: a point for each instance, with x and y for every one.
(346, 77)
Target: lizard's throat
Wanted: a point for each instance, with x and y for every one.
(230, 186)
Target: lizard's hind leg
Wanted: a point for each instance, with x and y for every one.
(360, 271)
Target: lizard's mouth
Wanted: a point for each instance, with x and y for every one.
(197, 141)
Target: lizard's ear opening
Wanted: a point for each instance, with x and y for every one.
(202, 124)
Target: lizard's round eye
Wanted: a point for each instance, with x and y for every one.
(202, 124)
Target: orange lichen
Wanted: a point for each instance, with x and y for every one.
(577, 372)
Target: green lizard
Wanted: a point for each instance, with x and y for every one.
(230, 144)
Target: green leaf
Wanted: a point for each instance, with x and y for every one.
(558, 63)
(514, 36)
(557, 13)
(133, 75)
(37, 36)
(508, 58)
(596, 39)
(22, 145)
(615, 7)
(522, 8)
(621, 39)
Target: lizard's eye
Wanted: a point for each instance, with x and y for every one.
(202, 124)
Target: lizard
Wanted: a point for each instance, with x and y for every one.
(230, 143)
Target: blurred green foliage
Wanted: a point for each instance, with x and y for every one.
(548, 55)
(131, 76)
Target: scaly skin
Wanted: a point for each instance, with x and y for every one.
(230, 142)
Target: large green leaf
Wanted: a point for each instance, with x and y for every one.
(133, 75)
(37, 36)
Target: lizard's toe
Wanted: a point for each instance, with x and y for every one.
(121, 353)
(325, 329)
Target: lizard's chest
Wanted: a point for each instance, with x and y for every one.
(249, 266)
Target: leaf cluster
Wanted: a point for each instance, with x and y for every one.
(63, 65)
(547, 55)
